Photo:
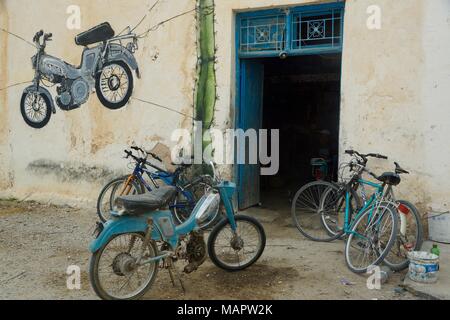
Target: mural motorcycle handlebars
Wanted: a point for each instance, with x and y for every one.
(105, 67)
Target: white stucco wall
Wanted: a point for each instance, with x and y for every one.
(395, 93)
(436, 101)
(394, 99)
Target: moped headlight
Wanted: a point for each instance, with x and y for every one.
(207, 208)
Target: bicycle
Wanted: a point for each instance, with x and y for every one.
(371, 232)
(188, 192)
(410, 236)
(331, 221)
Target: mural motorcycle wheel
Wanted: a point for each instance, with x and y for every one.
(36, 109)
(114, 85)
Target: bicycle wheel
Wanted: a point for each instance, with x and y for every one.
(307, 213)
(334, 206)
(185, 201)
(410, 237)
(116, 188)
(371, 238)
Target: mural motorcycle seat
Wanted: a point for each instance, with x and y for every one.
(145, 203)
(99, 33)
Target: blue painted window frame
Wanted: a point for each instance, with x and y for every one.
(289, 13)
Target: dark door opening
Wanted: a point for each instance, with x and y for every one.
(302, 99)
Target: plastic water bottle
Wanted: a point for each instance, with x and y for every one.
(435, 250)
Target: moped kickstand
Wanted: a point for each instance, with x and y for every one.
(173, 272)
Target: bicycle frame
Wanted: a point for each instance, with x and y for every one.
(164, 176)
(370, 203)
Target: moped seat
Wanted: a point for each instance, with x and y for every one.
(390, 178)
(145, 203)
(99, 33)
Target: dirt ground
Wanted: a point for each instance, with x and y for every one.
(38, 242)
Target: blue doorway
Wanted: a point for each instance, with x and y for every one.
(275, 49)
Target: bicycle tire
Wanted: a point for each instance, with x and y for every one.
(307, 202)
(100, 212)
(381, 256)
(402, 265)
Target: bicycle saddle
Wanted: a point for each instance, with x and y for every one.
(146, 203)
(390, 178)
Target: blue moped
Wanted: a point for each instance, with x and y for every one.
(140, 239)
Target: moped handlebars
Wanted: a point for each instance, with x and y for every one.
(37, 38)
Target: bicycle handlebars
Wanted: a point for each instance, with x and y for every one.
(154, 156)
(365, 156)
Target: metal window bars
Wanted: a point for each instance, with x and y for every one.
(265, 33)
(297, 30)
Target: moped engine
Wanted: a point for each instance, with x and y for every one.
(195, 252)
(72, 94)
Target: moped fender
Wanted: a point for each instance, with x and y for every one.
(120, 53)
(136, 224)
(116, 227)
(42, 91)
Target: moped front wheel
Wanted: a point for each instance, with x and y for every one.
(36, 109)
(114, 85)
(236, 250)
(115, 272)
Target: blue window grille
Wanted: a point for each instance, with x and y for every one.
(296, 31)
(317, 29)
(263, 33)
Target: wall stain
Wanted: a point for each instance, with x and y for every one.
(70, 171)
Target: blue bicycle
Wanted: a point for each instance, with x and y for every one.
(188, 192)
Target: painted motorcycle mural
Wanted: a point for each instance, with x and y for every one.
(106, 67)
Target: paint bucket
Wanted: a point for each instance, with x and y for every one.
(439, 226)
(423, 267)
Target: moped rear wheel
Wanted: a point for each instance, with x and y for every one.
(114, 85)
(36, 109)
(113, 271)
(234, 251)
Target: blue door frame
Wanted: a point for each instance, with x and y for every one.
(245, 174)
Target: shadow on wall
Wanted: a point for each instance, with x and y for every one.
(70, 171)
